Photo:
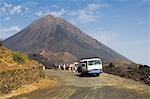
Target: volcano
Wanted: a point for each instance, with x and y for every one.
(55, 40)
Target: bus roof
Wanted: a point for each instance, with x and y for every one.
(90, 59)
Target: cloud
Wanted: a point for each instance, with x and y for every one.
(141, 22)
(10, 9)
(54, 13)
(7, 32)
(10, 29)
(40, 14)
(89, 13)
(58, 13)
(7, 18)
(16, 10)
(26, 10)
(94, 6)
(31, 3)
(6, 5)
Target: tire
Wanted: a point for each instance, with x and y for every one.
(97, 74)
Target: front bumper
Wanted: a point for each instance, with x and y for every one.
(95, 71)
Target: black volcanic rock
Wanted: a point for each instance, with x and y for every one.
(58, 40)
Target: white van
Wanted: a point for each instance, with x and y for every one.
(90, 66)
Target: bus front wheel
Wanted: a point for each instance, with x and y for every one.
(96, 74)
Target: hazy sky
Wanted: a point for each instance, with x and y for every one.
(122, 25)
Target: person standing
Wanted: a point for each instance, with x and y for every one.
(64, 66)
(59, 67)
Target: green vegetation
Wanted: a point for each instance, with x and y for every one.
(20, 57)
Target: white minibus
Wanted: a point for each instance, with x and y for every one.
(90, 66)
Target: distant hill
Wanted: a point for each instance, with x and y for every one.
(59, 41)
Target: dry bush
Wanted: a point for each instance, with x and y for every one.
(20, 58)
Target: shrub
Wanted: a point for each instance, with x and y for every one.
(20, 58)
(111, 65)
(1, 43)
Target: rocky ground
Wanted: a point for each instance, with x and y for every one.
(133, 71)
(106, 86)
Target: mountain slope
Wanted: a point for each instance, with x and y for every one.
(54, 36)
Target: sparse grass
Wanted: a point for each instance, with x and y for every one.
(14, 60)
(43, 83)
(20, 68)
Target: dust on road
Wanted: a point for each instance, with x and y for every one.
(106, 86)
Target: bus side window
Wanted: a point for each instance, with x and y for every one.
(91, 62)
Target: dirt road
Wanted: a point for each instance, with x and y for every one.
(105, 86)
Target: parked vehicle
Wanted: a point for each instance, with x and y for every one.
(90, 66)
(76, 66)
